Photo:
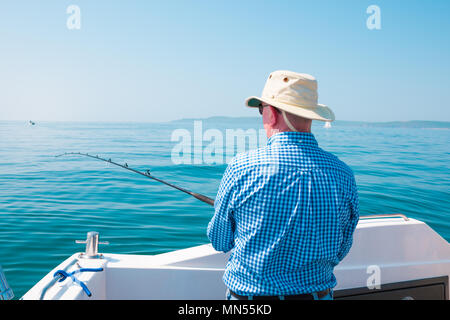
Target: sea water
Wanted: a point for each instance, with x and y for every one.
(46, 203)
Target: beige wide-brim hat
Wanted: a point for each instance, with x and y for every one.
(294, 93)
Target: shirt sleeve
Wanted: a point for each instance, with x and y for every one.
(222, 226)
(353, 212)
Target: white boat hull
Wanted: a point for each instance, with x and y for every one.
(391, 250)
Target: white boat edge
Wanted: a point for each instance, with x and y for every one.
(405, 256)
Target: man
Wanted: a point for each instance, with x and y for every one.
(289, 209)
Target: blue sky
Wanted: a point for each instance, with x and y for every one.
(157, 61)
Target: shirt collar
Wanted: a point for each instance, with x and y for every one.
(300, 138)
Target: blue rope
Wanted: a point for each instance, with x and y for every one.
(63, 275)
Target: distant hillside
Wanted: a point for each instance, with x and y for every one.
(397, 124)
(392, 124)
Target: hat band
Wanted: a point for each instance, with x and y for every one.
(289, 124)
(294, 105)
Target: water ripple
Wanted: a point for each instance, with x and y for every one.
(46, 202)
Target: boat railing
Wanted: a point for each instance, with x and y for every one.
(392, 215)
(6, 292)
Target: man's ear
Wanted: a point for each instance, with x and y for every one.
(272, 116)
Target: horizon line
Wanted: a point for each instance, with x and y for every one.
(206, 118)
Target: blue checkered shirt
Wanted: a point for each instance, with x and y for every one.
(288, 211)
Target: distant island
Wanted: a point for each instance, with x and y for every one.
(398, 124)
(247, 122)
(338, 123)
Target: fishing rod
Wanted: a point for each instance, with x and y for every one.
(145, 174)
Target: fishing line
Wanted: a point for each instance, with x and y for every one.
(145, 174)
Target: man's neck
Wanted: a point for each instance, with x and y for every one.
(272, 131)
